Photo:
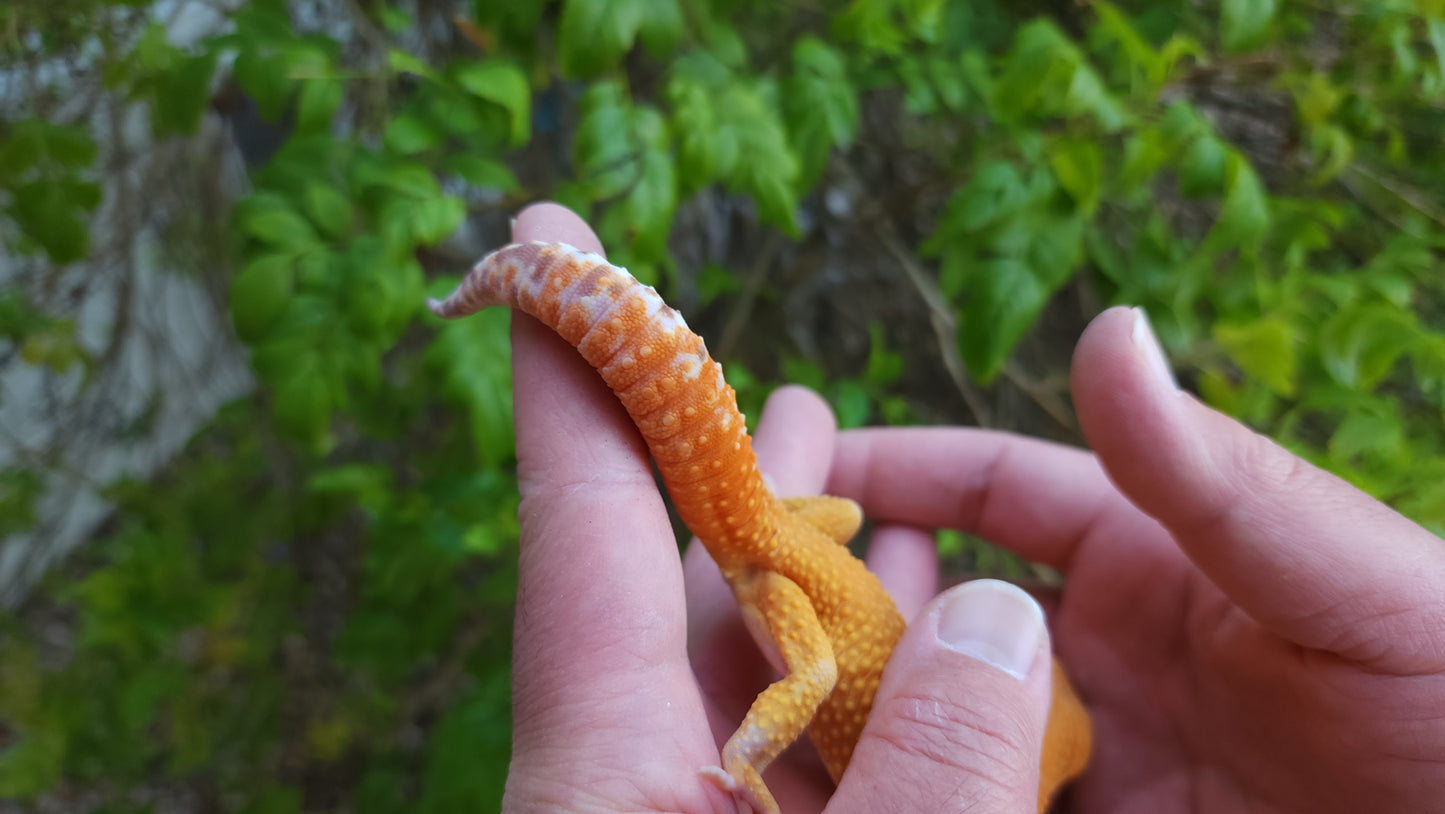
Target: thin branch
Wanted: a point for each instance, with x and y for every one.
(752, 284)
(1411, 196)
(945, 330)
(1047, 398)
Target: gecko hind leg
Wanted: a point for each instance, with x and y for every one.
(837, 517)
(779, 614)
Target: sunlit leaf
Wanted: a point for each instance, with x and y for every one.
(1078, 167)
(1244, 23)
(503, 84)
(260, 293)
(1202, 167)
(1266, 349)
(594, 34)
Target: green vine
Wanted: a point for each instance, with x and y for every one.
(308, 607)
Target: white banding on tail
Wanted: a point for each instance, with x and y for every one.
(504, 278)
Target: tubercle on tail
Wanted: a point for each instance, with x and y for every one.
(657, 366)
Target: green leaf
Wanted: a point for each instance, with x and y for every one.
(32, 766)
(1335, 150)
(46, 214)
(182, 95)
(466, 758)
(707, 151)
(70, 146)
(594, 34)
(1244, 23)
(1046, 75)
(317, 105)
(1435, 31)
(409, 134)
(1202, 168)
(327, 208)
(819, 104)
(20, 492)
(394, 19)
(1367, 434)
(1266, 349)
(434, 219)
(1056, 245)
(662, 27)
(1003, 301)
(303, 406)
(260, 294)
(483, 172)
(653, 201)
(411, 180)
(1041, 57)
(265, 78)
(502, 84)
(471, 357)
(995, 191)
(884, 367)
(282, 228)
(364, 300)
(403, 62)
(1360, 345)
(603, 144)
(1144, 153)
(851, 403)
(370, 485)
(1402, 44)
(1086, 94)
(1079, 169)
(1317, 99)
(777, 202)
(1244, 216)
(26, 147)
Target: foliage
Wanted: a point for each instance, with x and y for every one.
(324, 572)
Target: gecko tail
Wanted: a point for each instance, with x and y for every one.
(490, 282)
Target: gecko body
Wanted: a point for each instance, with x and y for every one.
(824, 620)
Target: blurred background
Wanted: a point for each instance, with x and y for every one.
(257, 508)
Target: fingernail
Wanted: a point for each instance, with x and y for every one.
(994, 622)
(1148, 344)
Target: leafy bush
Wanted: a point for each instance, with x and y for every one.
(308, 609)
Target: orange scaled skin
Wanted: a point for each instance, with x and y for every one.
(812, 606)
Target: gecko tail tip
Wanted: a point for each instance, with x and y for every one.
(437, 307)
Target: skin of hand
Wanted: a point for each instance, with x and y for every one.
(1249, 633)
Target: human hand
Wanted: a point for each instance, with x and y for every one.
(1249, 632)
(610, 713)
(1308, 680)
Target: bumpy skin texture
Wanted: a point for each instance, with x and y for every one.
(824, 620)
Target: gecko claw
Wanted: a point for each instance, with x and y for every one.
(740, 791)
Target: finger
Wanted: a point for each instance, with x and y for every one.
(599, 654)
(905, 559)
(794, 440)
(1305, 554)
(553, 223)
(959, 718)
(1038, 499)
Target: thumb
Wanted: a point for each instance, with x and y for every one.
(1303, 553)
(958, 722)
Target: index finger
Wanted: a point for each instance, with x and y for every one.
(600, 628)
(1038, 499)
